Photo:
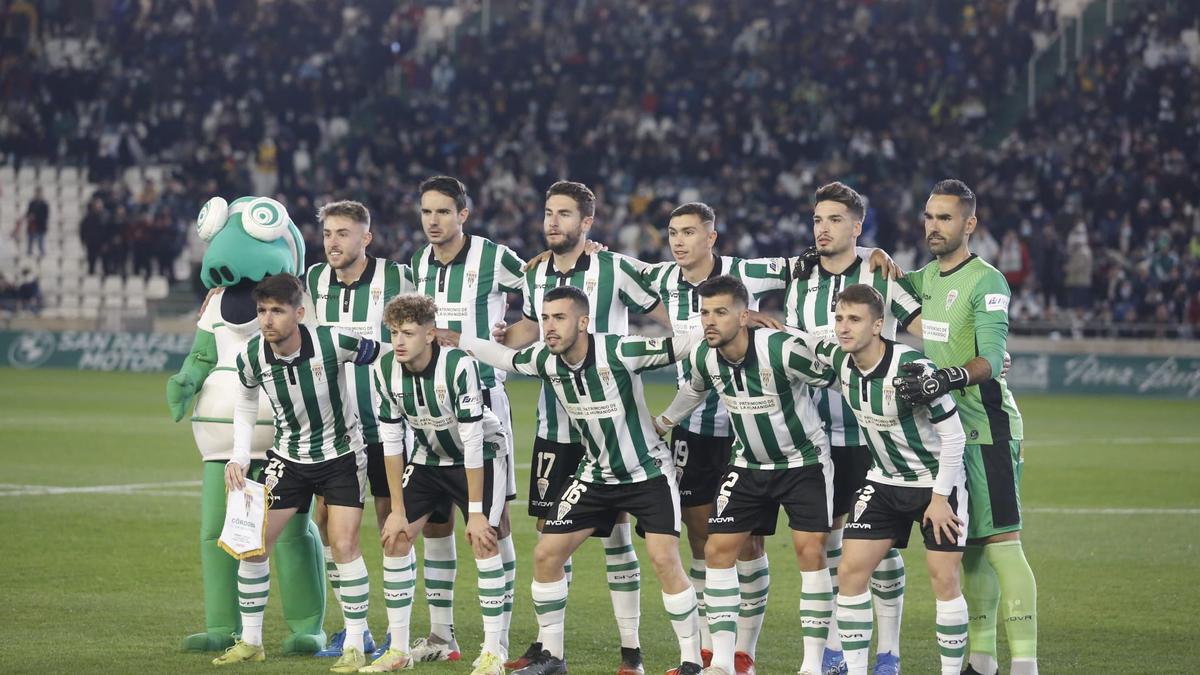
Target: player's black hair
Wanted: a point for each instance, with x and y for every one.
(863, 294)
(585, 199)
(568, 293)
(725, 285)
(956, 188)
(447, 185)
(282, 288)
(843, 194)
(699, 209)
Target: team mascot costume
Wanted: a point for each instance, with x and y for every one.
(247, 241)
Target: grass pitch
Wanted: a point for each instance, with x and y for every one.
(107, 579)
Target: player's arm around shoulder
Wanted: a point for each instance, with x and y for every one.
(990, 300)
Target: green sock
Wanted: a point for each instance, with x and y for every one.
(1018, 590)
(981, 588)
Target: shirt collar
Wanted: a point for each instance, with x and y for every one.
(751, 356)
(459, 258)
(849, 270)
(583, 263)
(306, 349)
(367, 275)
(430, 369)
(588, 361)
(881, 368)
(718, 262)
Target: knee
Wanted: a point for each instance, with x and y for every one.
(753, 549)
(945, 581)
(810, 554)
(547, 559)
(697, 540)
(720, 552)
(345, 548)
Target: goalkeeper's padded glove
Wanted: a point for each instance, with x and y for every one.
(805, 263)
(920, 385)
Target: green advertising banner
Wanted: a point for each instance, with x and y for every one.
(94, 350)
(1168, 377)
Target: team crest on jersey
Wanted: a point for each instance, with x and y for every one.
(318, 372)
(589, 287)
(605, 375)
(564, 507)
(440, 391)
(951, 297)
(765, 376)
(722, 502)
(376, 295)
(471, 276)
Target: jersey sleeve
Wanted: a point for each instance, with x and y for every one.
(397, 280)
(640, 354)
(634, 290)
(509, 277)
(905, 302)
(528, 284)
(351, 348)
(803, 364)
(763, 275)
(531, 360)
(653, 274)
(916, 281)
(245, 372)
(468, 393)
(382, 379)
(990, 304)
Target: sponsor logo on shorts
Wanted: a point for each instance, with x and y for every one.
(858, 526)
(718, 519)
(560, 522)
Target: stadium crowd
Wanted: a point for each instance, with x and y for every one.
(1092, 215)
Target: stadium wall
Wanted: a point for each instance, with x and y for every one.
(1167, 369)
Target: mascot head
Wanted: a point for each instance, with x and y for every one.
(248, 240)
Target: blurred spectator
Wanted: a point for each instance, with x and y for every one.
(1078, 269)
(93, 231)
(1013, 260)
(36, 221)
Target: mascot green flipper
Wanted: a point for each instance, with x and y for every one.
(248, 240)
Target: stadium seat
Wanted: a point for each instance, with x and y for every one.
(113, 285)
(157, 288)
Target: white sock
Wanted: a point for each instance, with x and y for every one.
(696, 575)
(984, 663)
(508, 554)
(816, 609)
(624, 583)
(887, 588)
(754, 581)
(253, 584)
(952, 633)
(440, 568)
(398, 585)
(1025, 666)
(550, 606)
(855, 625)
(833, 558)
(722, 600)
(355, 600)
(491, 602)
(681, 607)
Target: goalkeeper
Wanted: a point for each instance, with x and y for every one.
(964, 324)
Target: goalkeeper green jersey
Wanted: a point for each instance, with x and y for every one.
(964, 314)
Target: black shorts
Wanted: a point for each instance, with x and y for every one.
(748, 500)
(700, 463)
(885, 511)
(340, 481)
(850, 465)
(553, 466)
(439, 488)
(376, 472)
(655, 504)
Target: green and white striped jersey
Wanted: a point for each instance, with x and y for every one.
(434, 402)
(613, 286)
(760, 276)
(767, 396)
(604, 397)
(904, 444)
(809, 305)
(358, 308)
(315, 418)
(470, 290)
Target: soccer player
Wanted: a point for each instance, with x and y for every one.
(349, 292)
(469, 277)
(965, 330)
(614, 287)
(916, 475)
(781, 458)
(459, 452)
(626, 467)
(838, 212)
(318, 450)
(702, 443)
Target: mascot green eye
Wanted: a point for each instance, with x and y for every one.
(212, 218)
(265, 219)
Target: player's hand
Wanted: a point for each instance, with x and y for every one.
(757, 318)
(880, 259)
(499, 331)
(180, 390)
(941, 518)
(920, 385)
(235, 476)
(593, 247)
(204, 305)
(394, 531)
(1005, 365)
(481, 535)
(662, 425)
(447, 338)
(805, 263)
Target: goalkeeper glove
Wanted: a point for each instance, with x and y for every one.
(920, 385)
(805, 263)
